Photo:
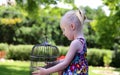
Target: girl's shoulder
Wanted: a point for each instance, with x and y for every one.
(76, 41)
(79, 40)
(76, 44)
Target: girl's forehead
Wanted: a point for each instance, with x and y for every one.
(64, 21)
(62, 25)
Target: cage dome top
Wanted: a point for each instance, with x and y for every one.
(44, 52)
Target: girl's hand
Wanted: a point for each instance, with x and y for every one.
(40, 71)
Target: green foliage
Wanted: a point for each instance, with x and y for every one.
(20, 25)
(63, 50)
(47, 23)
(90, 27)
(106, 29)
(112, 4)
(96, 56)
(116, 59)
(3, 46)
(92, 13)
(32, 6)
(19, 52)
(22, 52)
(10, 20)
(22, 29)
(107, 59)
(10, 12)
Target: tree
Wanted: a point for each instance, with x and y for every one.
(90, 32)
(107, 27)
(32, 6)
(47, 18)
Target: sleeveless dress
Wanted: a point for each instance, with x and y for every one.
(79, 64)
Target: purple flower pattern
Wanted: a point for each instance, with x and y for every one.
(79, 64)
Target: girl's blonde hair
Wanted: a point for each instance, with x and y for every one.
(75, 16)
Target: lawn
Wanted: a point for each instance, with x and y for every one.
(14, 68)
(10, 67)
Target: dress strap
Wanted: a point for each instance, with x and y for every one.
(81, 40)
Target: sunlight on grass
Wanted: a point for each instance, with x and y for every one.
(14, 68)
(103, 71)
(91, 71)
(22, 68)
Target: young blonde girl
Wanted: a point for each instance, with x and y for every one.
(75, 62)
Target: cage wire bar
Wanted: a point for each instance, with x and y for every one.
(41, 54)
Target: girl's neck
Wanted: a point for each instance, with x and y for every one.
(79, 35)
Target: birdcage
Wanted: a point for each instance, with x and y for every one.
(41, 54)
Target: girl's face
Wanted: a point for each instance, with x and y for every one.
(67, 31)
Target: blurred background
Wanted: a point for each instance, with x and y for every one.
(24, 23)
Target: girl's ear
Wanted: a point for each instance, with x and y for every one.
(73, 26)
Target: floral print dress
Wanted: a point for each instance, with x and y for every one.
(79, 64)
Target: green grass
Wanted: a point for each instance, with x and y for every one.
(14, 68)
(22, 68)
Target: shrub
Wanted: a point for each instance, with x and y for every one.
(116, 59)
(107, 59)
(3, 50)
(22, 52)
(95, 56)
(3, 46)
(63, 50)
(19, 52)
